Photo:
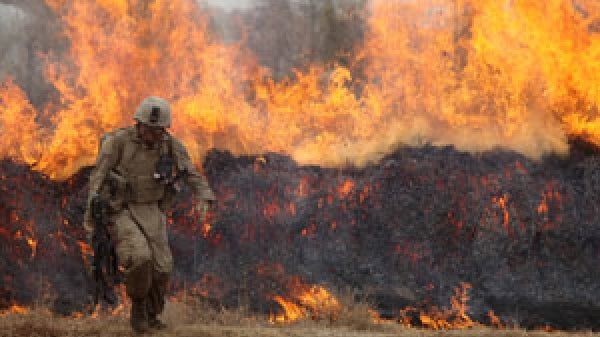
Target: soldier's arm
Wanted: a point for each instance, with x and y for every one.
(107, 159)
(196, 181)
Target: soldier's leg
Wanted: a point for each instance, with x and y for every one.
(155, 302)
(136, 258)
(155, 226)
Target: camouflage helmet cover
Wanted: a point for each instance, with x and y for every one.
(154, 111)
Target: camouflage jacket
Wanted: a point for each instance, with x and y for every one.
(123, 154)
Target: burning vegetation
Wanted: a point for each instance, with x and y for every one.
(286, 239)
(518, 75)
(444, 167)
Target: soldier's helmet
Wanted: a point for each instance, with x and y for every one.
(154, 111)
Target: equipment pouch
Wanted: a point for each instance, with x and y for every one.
(147, 189)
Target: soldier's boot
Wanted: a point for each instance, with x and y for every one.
(139, 316)
(155, 301)
(155, 323)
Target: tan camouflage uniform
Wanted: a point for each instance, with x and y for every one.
(139, 210)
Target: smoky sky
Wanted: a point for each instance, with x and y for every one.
(230, 4)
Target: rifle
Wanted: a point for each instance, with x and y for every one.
(105, 264)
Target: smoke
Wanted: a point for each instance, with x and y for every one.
(290, 35)
(13, 40)
(230, 4)
(28, 32)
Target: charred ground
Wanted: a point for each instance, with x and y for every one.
(403, 232)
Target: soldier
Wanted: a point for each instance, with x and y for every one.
(138, 163)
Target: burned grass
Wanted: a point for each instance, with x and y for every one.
(199, 321)
(405, 233)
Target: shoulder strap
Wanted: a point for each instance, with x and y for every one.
(120, 146)
(173, 154)
(167, 147)
(107, 135)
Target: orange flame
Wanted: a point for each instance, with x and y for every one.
(292, 312)
(345, 188)
(21, 136)
(494, 320)
(313, 302)
(85, 248)
(476, 74)
(86, 251)
(15, 309)
(206, 228)
(33, 245)
(501, 202)
(455, 317)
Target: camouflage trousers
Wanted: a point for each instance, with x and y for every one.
(144, 253)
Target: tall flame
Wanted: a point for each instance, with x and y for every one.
(477, 74)
(21, 133)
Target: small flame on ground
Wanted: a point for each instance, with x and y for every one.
(86, 251)
(345, 189)
(502, 203)
(494, 320)
(314, 302)
(121, 310)
(15, 309)
(206, 228)
(292, 311)
(309, 231)
(455, 317)
(33, 244)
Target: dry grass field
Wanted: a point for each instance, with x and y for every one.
(204, 322)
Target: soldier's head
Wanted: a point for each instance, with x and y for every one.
(153, 116)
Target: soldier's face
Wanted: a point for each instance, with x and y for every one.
(150, 135)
